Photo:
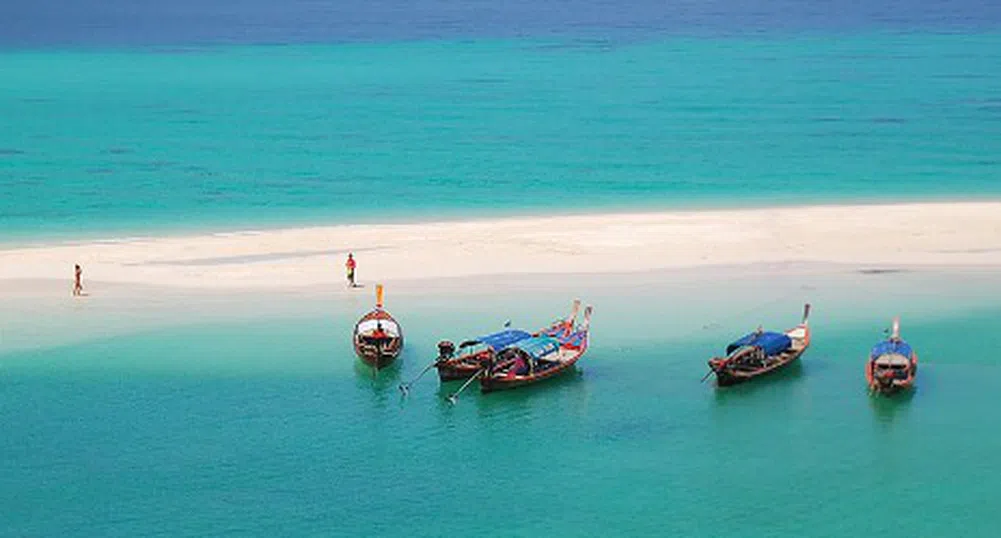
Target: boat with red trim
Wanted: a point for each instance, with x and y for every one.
(761, 352)
(462, 362)
(548, 354)
(892, 364)
(473, 354)
(378, 338)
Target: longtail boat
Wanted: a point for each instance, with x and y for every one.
(892, 364)
(378, 338)
(471, 356)
(760, 352)
(544, 356)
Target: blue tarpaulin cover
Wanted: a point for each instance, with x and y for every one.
(887, 347)
(499, 341)
(771, 342)
(538, 347)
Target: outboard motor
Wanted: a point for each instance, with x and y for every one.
(446, 350)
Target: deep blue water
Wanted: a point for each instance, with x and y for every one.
(146, 22)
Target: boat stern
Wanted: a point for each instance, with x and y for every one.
(454, 371)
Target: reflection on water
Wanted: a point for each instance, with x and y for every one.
(382, 379)
(573, 376)
(889, 408)
(787, 374)
(544, 392)
(377, 390)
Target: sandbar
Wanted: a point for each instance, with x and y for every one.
(866, 237)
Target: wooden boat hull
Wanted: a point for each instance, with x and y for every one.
(465, 366)
(529, 359)
(491, 384)
(377, 360)
(461, 368)
(892, 365)
(378, 351)
(456, 372)
(736, 369)
(726, 378)
(379, 356)
(891, 386)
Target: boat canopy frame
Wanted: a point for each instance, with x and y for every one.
(537, 348)
(772, 343)
(499, 340)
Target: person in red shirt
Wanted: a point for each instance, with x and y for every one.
(351, 270)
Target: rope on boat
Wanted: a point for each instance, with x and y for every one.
(405, 387)
(454, 397)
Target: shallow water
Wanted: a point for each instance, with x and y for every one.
(183, 416)
(271, 426)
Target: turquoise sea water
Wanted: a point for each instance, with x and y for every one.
(132, 140)
(126, 117)
(271, 427)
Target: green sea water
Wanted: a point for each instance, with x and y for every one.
(270, 426)
(101, 141)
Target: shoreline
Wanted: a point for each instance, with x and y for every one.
(675, 304)
(883, 236)
(20, 239)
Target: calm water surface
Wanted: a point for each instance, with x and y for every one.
(272, 427)
(134, 117)
(231, 116)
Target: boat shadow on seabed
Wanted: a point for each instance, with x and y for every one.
(567, 379)
(791, 372)
(888, 409)
(381, 380)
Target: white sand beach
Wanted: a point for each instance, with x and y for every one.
(874, 236)
(693, 267)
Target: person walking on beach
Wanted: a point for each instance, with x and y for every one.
(77, 280)
(350, 264)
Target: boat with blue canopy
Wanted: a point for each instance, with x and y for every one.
(760, 352)
(892, 364)
(540, 357)
(471, 355)
(771, 343)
